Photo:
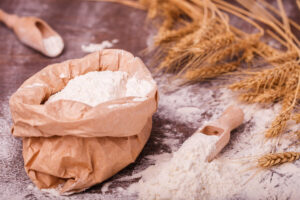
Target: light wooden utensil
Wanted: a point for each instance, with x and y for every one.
(33, 32)
(231, 118)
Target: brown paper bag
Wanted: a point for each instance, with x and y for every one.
(71, 145)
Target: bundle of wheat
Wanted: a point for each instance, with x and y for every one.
(196, 41)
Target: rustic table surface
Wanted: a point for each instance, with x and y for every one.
(79, 22)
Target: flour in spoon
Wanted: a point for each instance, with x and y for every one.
(186, 175)
(53, 45)
(97, 87)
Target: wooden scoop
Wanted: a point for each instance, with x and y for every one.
(231, 118)
(34, 33)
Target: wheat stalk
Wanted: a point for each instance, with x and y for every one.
(210, 72)
(272, 159)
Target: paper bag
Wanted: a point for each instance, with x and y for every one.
(70, 145)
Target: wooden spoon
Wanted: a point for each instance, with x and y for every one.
(34, 33)
(231, 118)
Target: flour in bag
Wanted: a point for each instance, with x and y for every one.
(97, 87)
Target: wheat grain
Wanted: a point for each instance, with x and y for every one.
(292, 81)
(296, 117)
(279, 124)
(265, 50)
(272, 159)
(248, 55)
(288, 100)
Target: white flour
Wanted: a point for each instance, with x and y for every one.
(94, 88)
(92, 47)
(53, 45)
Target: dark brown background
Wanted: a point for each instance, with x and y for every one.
(78, 22)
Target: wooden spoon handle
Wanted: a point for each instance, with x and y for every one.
(8, 19)
(231, 118)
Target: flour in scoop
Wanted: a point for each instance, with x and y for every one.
(186, 175)
(97, 87)
(53, 45)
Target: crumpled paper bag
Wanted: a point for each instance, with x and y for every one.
(69, 145)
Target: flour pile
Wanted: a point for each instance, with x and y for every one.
(187, 175)
(97, 87)
(53, 45)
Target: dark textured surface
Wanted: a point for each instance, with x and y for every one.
(78, 22)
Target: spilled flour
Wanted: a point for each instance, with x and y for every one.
(187, 175)
(92, 47)
(97, 87)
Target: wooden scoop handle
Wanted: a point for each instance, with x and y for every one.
(231, 118)
(8, 19)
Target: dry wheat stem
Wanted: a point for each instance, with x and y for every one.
(133, 4)
(210, 72)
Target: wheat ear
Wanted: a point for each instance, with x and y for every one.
(202, 73)
(272, 159)
(173, 35)
(267, 78)
(266, 96)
